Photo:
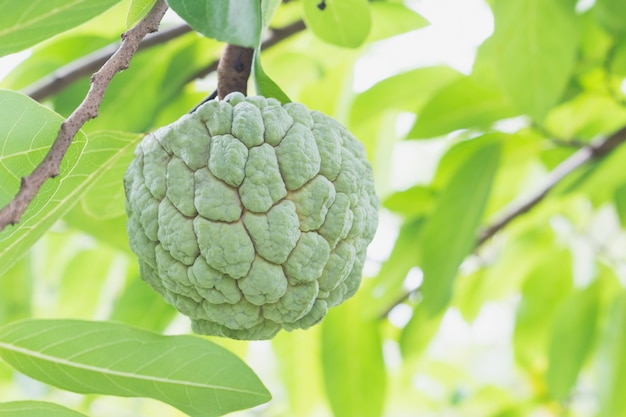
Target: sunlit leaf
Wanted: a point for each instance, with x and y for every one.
(390, 19)
(352, 361)
(26, 23)
(546, 285)
(573, 331)
(137, 10)
(418, 332)
(300, 370)
(339, 22)
(462, 104)
(534, 48)
(265, 86)
(35, 409)
(235, 21)
(612, 361)
(27, 129)
(189, 373)
(450, 233)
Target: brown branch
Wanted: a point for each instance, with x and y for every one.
(234, 70)
(87, 110)
(86, 65)
(575, 161)
(516, 209)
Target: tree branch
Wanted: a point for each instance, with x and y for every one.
(86, 65)
(87, 110)
(575, 161)
(516, 209)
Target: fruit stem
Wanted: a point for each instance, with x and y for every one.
(233, 70)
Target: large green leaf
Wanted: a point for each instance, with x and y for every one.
(26, 23)
(339, 22)
(35, 409)
(573, 331)
(465, 103)
(418, 332)
(235, 21)
(352, 362)
(534, 46)
(450, 234)
(192, 374)
(27, 129)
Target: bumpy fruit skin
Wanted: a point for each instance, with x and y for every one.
(250, 216)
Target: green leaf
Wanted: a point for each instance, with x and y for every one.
(16, 289)
(620, 204)
(450, 234)
(407, 92)
(352, 362)
(24, 24)
(339, 22)
(268, 8)
(192, 374)
(610, 14)
(612, 361)
(391, 19)
(573, 331)
(463, 104)
(412, 202)
(387, 287)
(547, 284)
(534, 48)
(235, 21)
(300, 370)
(265, 86)
(137, 10)
(36, 409)
(418, 332)
(27, 129)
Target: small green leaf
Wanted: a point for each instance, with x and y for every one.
(235, 21)
(450, 234)
(24, 24)
(192, 374)
(352, 361)
(265, 86)
(339, 22)
(412, 202)
(573, 331)
(27, 130)
(463, 104)
(534, 48)
(36, 409)
(391, 19)
(137, 10)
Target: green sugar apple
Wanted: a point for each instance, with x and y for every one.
(250, 216)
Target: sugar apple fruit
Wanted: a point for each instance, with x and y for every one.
(250, 216)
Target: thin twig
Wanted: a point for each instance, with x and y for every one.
(87, 110)
(86, 65)
(516, 209)
(575, 161)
